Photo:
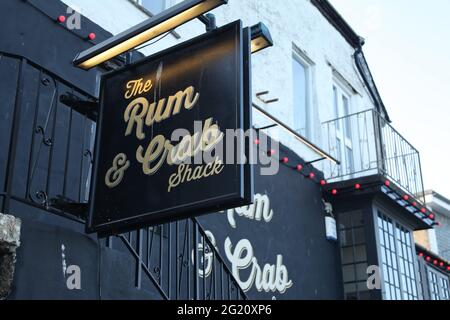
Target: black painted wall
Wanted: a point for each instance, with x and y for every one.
(50, 242)
(295, 232)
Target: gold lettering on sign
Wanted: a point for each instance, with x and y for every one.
(186, 174)
(140, 112)
(160, 150)
(115, 174)
(138, 87)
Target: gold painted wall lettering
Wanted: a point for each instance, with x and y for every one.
(140, 112)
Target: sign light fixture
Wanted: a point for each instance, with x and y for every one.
(261, 38)
(145, 31)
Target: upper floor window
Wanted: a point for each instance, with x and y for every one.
(154, 6)
(344, 140)
(302, 98)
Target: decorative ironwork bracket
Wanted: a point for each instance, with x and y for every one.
(87, 108)
(209, 20)
(66, 205)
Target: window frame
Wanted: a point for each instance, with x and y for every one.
(166, 4)
(344, 129)
(353, 264)
(396, 222)
(301, 58)
(441, 278)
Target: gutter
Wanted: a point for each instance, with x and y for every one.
(363, 68)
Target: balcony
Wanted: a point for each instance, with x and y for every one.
(367, 145)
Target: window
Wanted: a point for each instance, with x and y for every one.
(438, 284)
(353, 255)
(301, 73)
(434, 287)
(344, 144)
(397, 260)
(154, 6)
(445, 289)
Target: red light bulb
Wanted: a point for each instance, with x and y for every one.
(387, 183)
(312, 175)
(334, 192)
(323, 182)
(61, 19)
(406, 197)
(435, 262)
(431, 216)
(257, 142)
(285, 160)
(448, 268)
(428, 259)
(441, 264)
(299, 167)
(271, 152)
(423, 210)
(92, 36)
(421, 254)
(357, 186)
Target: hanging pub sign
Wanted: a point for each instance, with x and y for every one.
(162, 149)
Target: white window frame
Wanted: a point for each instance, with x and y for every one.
(396, 222)
(167, 4)
(308, 64)
(343, 90)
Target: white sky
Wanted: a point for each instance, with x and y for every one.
(408, 50)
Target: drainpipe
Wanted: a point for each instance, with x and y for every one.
(366, 75)
(9, 242)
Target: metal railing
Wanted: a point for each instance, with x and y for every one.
(182, 262)
(48, 146)
(47, 152)
(366, 144)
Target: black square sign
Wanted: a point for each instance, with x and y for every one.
(158, 119)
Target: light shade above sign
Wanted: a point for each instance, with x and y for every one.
(261, 38)
(146, 31)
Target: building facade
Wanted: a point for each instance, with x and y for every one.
(314, 84)
(433, 248)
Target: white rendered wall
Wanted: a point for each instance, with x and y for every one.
(292, 23)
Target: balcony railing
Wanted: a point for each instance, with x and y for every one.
(366, 144)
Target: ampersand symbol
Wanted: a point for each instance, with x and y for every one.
(114, 176)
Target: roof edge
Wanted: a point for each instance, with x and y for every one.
(335, 18)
